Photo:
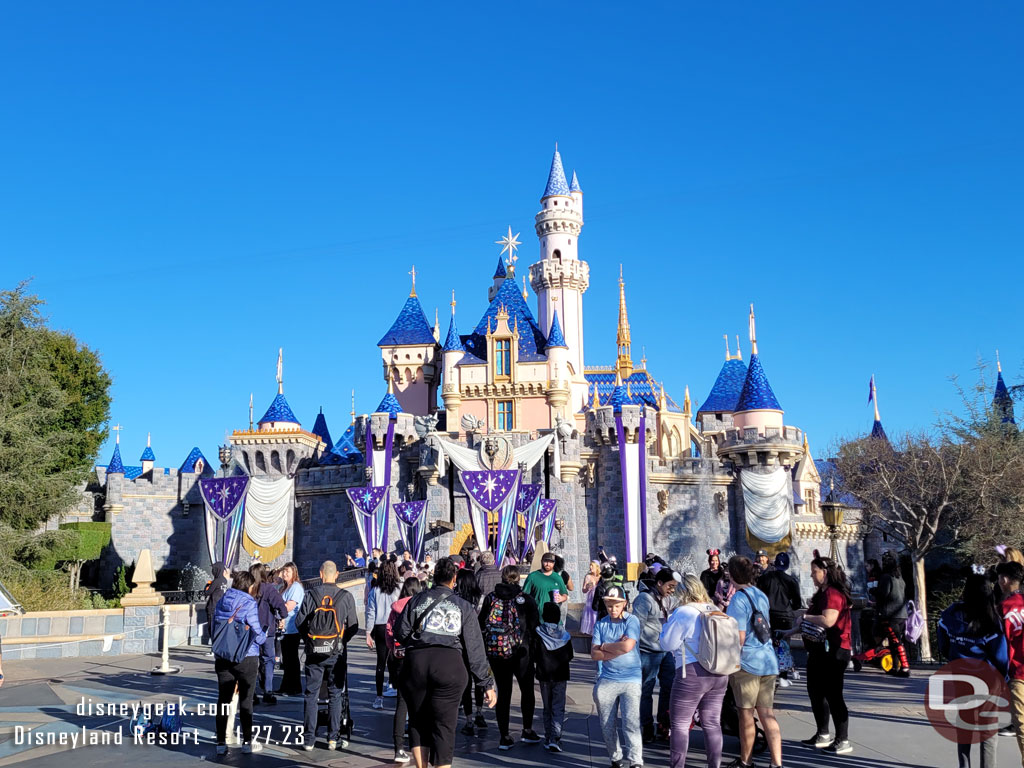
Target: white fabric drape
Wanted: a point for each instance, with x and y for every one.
(468, 459)
(634, 539)
(267, 506)
(769, 504)
(532, 452)
(465, 459)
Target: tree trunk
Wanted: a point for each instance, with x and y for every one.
(922, 605)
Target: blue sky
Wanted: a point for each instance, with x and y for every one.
(194, 185)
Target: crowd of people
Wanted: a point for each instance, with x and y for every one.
(673, 650)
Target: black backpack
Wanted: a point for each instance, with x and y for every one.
(758, 623)
(324, 634)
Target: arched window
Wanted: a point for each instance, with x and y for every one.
(261, 463)
(557, 254)
(275, 460)
(290, 456)
(245, 458)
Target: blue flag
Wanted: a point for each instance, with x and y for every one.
(871, 389)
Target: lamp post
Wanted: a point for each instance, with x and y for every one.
(224, 454)
(832, 513)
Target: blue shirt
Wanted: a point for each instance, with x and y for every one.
(360, 562)
(626, 668)
(297, 593)
(756, 657)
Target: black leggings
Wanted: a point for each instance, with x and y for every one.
(519, 667)
(291, 676)
(825, 671)
(401, 708)
(433, 679)
(467, 699)
(228, 675)
(380, 642)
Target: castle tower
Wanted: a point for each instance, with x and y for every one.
(624, 360)
(410, 353)
(453, 351)
(557, 393)
(500, 273)
(757, 406)
(148, 458)
(560, 273)
(877, 431)
(715, 413)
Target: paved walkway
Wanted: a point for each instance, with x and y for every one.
(888, 726)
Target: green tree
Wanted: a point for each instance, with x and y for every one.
(54, 403)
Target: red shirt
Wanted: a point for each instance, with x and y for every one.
(838, 635)
(1013, 622)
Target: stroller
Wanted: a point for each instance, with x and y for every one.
(323, 718)
(730, 720)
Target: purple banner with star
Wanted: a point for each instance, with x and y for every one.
(224, 499)
(413, 516)
(491, 492)
(528, 505)
(546, 516)
(367, 504)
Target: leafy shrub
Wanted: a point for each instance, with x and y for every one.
(121, 582)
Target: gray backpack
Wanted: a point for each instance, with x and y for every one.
(718, 649)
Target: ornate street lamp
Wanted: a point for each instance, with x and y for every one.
(832, 513)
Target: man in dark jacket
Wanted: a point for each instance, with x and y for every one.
(333, 667)
(437, 629)
(891, 611)
(652, 608)
(272, 610)
(487, 575)
(783, 592)
(508, 597)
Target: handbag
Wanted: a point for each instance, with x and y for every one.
(812, 633)
(232, 639)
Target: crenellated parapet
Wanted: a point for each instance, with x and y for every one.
(753, 446)
(375, 426)
(603, 428)
(548, 275)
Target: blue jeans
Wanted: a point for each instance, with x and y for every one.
(660, 666)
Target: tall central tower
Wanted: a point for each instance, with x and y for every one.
(560, 278)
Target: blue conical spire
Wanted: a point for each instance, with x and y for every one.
(500, 270)
(574, 185)
(148, 455)
(1002, 402)
(555, 337)
(453, 343)
(280, 411)
(320, 430)
(757, 393)
(556, 178)
(115, 465)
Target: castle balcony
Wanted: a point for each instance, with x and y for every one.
(751, 447)
(570, 273)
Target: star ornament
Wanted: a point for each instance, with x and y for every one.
(510, 244)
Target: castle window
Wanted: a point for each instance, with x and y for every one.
(505, 421)
(261, 463)
(809, 505)
(503, 357)
(291, 460)
(275, 460)
(557, 254)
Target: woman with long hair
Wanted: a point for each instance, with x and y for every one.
(589, 617)
(383, 595)
(272, 610)
(468, 588)
(973, 629)
(396, 655)
(291, 678)
(694, 688)
(826, 630)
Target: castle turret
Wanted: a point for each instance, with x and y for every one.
(757, 407)
(148, 458)
(557, 391)
(877, 431)
(500, 273)
(715, 413)
(410, 353)
(560, 273)
(577, 193)
(624, 360)
(453, 351)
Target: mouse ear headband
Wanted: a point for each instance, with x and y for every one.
(714, 552)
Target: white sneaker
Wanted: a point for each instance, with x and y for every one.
(784, 683)
(222, 749)
(378, 703)
(391, 692)
(252, 746)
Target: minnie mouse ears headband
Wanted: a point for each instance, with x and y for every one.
(714, 552)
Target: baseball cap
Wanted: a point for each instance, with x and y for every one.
(762, 553)
(615, 594)
(548, 557)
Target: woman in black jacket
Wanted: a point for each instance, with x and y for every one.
(272, 610)
(891, 611)
(439, 629)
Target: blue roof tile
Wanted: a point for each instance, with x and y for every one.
(453, 343)
(194, 456)
(574, 185)
(410, 327)
(725, 394)
(1002, 402)
(320, 430)
(389, 405)
(115, 464)
(757, 392)
(556, 178)
(279, 410)
(555, 338)
(500, 271)
(531, 341)
(878, 432)
(148, 455)
(642, 387)
(130, 473)
(344, 451)
(619, 398)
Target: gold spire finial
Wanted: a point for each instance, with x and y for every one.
(453, 301)
(807, 448)
(117, 433)
(686, 397)
(624, 363)
(280, 370)
(412, 291)
(739, 354)
(999, 365)
(596, 401)
(753, 332)
(525, 294)
(728, 355)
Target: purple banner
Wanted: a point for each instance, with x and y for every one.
(490, 488)
(223, 494)
(527, 504)
(366, 504)
(413, 515)
(488, 492)
(547, 515)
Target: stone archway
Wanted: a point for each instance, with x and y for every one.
(460, 539)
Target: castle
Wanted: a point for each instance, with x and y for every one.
(631, 470)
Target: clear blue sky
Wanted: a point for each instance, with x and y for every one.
(193, 185)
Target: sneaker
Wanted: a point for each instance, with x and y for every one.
(818, 740)
(332, 744)
(530, 736)
(468, 729)
(506, 743)
(269, 698)
(252, 746)
(784, 683)
(378, 703)
(480, 721)
(222, 749)
(905, 672)
(838, 747)
(555, 746)
(402, 757)
(1008, 731)
(737, 763)
(616, 764)
(308, 747)
(391, 692)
